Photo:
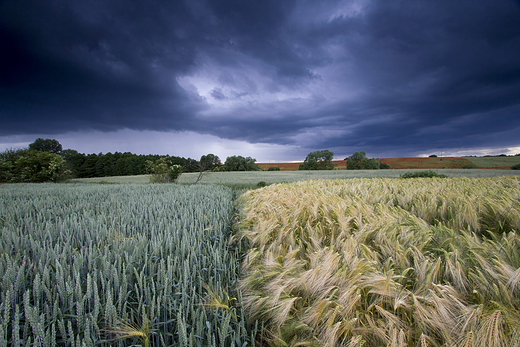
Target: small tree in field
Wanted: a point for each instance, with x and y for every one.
(162, 170)
(209, 162)
(318, 160)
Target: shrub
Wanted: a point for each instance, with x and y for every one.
(422, 174)
(162, 171)
(261, 184)
(515, 167)
(384, 166)
(274, 168)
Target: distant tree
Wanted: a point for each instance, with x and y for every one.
(37, 166)
(8, 159)
(318, 160)
(384, 166)
(209, 162)
(359, 161)
(433, 156)
(274, 168)
(46, 145)
(239, 163)
(163, 171)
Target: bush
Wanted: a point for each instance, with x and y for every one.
(274, 168)
(422, 174)
(384, 166)
(515, 167)
(261, 184)
(162, 170)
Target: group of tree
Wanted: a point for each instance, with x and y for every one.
(322, 160)
(359, 161)
(318, 160)
(45, 160)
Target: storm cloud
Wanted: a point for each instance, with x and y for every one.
(393, 78)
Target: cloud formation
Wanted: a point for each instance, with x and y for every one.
(392, 78)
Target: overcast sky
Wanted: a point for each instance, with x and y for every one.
(273, 80)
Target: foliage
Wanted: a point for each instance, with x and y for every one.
(382, 262)
(261, 184)
(119, 265)
(163, 171)
(385, 166)
(274, 168)
(209, 162)
(46, 145)
(359, 161)
(32, 166)
(515, 167)
(318, 160)
(422, 174)
(239, 163)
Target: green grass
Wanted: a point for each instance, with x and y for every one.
(251, 178)
(494, 161)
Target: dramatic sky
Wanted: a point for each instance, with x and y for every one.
(273, 80)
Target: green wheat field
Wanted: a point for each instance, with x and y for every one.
(309, 262)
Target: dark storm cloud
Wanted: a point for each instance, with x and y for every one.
(358, 74)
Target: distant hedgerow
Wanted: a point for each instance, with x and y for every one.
(427, 173)
(515, 167)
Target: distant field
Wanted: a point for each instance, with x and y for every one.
(270, 177)
(494, 162)
(420, 163)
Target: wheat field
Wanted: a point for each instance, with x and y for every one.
(119, 265)
(384, 262)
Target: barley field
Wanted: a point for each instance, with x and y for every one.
(384, 262)
(119, 265)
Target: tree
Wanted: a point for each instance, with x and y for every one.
(163, 171)
(46, 145)
(359, 161)
(318, 160)
(239, 163)
(37, 166)
(209, 162)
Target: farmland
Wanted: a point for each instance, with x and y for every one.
(270, 177)
(380, 262)
(499, 162)
(85, 265)
(316, 261)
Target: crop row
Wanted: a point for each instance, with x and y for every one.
(84, 265)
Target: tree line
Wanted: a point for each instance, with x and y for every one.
(45, 160)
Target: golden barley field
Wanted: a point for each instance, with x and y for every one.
(384, 262)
